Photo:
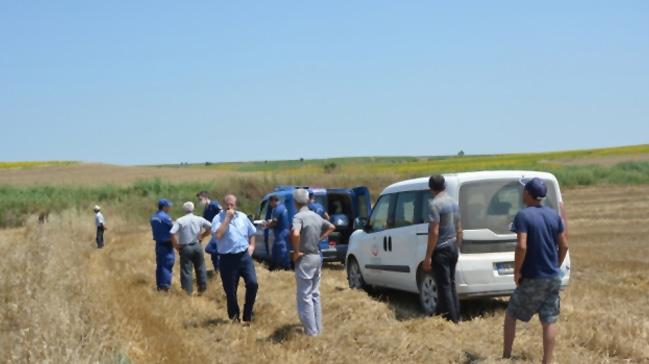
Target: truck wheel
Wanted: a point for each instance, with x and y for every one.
(354, 275)
(428, 293)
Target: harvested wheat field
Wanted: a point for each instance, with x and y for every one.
(63, 301)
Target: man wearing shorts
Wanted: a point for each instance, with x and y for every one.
(542, 247)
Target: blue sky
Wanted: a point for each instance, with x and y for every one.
(144, 82)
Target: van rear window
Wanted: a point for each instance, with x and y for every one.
(493, 204)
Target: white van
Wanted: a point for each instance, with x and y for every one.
(388, 249)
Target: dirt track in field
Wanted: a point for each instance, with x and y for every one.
(64, 300)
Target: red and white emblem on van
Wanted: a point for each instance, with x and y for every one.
(375, 250)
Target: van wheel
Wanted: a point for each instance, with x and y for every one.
(428, 293)
(354, 275)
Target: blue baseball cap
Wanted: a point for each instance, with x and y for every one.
(163, 202)
(536, 188)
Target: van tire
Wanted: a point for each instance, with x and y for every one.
(428, 298)
(354, 275)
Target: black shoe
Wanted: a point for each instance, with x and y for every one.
(163, 289)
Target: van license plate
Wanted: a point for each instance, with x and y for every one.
(505, 268)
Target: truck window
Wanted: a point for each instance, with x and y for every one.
(404, 213)
(380, 218)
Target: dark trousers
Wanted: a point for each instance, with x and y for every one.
(165, 257)
(191, 256)
(215, 261)
(100, 237)
(444, 262)
(279, 257)
(233, 267)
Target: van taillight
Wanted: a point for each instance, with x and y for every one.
(564, 217)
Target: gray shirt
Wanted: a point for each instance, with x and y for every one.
(446, 212)
(311, 226)
(189, 228)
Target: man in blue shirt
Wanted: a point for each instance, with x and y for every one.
(235, 237)
(161, 224)
(317, 207)
(211, 209)
(279, 223)
(541, 249)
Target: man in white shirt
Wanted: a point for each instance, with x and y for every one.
(101, 226)
(187, 233)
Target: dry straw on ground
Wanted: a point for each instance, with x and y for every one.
(65, 301)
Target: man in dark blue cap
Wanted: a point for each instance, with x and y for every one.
(541, 249)
(161, 224)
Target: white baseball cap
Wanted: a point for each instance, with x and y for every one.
(97, 208)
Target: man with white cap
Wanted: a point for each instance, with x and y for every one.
(101, 226)
(309, 229)
(542, 246)
(187, 233)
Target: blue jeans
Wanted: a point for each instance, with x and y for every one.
(165, 257)
(233, 267)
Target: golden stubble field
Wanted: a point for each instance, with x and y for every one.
(65, 301)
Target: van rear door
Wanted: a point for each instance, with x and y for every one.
(488, 208)
(361, 201)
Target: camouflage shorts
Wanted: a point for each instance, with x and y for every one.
(536, 295)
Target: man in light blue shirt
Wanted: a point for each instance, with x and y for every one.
(235, 239)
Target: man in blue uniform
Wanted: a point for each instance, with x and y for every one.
(317, 207)
(280, 225)
(211, 209)
(161, 224)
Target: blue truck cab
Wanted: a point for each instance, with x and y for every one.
(343, 205)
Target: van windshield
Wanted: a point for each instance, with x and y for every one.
(493, 204)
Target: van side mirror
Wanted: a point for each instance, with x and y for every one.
(360, 223)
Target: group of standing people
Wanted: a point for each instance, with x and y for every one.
(541, 249)
(231, 246)
(277, 220)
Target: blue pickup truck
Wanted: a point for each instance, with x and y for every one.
(343, 205)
